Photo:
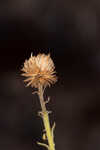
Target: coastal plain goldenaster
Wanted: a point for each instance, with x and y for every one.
(39, 70)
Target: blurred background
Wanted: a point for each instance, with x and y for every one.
(70, 31)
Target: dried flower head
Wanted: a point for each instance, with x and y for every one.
(39, 70)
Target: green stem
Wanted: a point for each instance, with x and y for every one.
(46, 120)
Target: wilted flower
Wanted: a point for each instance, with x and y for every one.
(39, 70)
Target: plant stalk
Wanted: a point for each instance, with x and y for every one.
(46, 121)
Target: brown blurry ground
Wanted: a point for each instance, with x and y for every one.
(75, 101)
(69, 30)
